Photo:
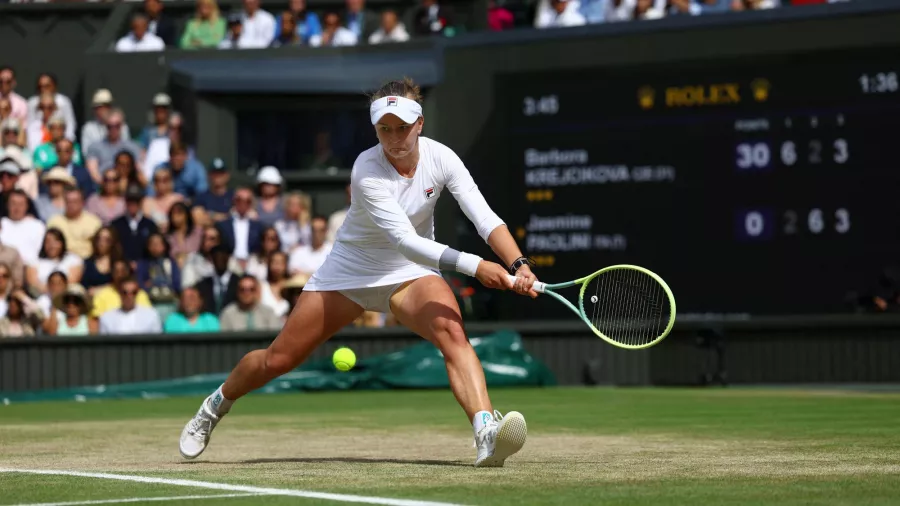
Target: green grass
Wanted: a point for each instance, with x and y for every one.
(586, 446)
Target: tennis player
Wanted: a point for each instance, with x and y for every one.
(385, 259)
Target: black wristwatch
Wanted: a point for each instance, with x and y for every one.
(519, 262)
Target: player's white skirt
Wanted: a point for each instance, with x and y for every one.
(365, 275)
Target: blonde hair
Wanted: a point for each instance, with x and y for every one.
(215, 10)
(305, 205)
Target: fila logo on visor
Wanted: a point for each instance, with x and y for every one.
(429, 193)
(392, 101)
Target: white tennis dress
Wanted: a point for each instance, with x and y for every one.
(388, 235)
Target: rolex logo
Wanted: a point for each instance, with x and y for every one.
(646, 96)
(760, 89)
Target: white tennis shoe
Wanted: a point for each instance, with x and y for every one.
(196, 433)
(500, 439)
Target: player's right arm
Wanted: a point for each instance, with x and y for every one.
(391, 219)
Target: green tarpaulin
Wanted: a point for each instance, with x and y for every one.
(505, 362)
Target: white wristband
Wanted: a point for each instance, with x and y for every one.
(467, 264)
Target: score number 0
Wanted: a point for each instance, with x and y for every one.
(755, 223)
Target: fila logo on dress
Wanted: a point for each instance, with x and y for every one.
(429, 192)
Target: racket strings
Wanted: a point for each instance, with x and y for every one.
(628, 306)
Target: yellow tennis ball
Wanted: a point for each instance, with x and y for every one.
(344, 359)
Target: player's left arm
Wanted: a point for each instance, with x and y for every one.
(490, 227)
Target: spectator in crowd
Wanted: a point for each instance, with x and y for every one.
(52, 203)
(158, 154)
(28, 179)
(56, 285)
(214, 204)
(323, 157)
(306, 22)
(287, 33)
(306, 259)
(333, 34)
(95, 129)
(233, 34)
(190, 316)
(156, 206)
(198, 264)
(183, 236)
(9, 178)
(159, 275)
(564, 13)
(70, 314)
(130, 317)
(140, 39)
(755, 5)
(21, 231)
(615, 11)
(273, 281)
(430, 18)
(102, 155)
(337, 219)
(682, 8)
(240, 232)
(293, 228)
(500, 18)
(361, 21)
(108, 204)
(159, 25)
(133, 228)
(53, 257)
(18, 106)
(65, 151)
(77, 225)
(258, 26)
(128, 174)
(162, 112)
(219, 289)
(205, 29)
(258, 263)
(47, 84)
(391, 30)
(5, 109)
(15, 267)
(291, 290)
(23, 316)
(37, 131)
(45, 155)
(109, 297)
(246, 313)
(710, 6)
(6, 287)
(649, 9)
(13, 136)
(270, 207)
(187, 173)
(98, 268)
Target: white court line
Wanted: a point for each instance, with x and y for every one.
(386, 501)
(139, 499)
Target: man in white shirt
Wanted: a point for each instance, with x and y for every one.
(130, 318)
(333, 34)
(21, 231)
(391, 30)
(139, 38)
(258, 26)
(562, 13)
(308, 258)
(240, 232)
(7, 91)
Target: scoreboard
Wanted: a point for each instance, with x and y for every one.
(768, 185)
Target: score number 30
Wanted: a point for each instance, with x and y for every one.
(758, 155)
(755, 222)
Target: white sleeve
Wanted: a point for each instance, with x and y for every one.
(466, 193)
(387, 214)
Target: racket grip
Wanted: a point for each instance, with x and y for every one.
(538, 286)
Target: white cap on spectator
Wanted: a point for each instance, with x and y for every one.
(59, 174)
(9, 166)
(269, 175)
(57, 118)
(162, 100)
(11, 123)
(102, 97)
(16, 154)
(407, 110)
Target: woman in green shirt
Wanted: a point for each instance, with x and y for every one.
(207, 28)
(190, 317)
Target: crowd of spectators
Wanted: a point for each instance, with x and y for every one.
(113, 234)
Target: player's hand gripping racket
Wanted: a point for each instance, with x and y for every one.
(625, 305)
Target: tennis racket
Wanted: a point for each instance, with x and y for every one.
(625, 305)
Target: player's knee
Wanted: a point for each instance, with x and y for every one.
(448, 333)
(279, 363)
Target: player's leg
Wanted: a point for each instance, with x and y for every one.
(428, 307)
(316, 318)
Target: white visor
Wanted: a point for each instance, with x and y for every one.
(407, 110)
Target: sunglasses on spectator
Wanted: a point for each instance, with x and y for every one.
(247, 288)
(64, 150)
(162, 179)
(243, 199)
(4, 275)
(6, 81)
(271, 238)
(45, 84)
(210, 238)
(129, 292)
(71, 300)
(114, 125)
(47, 107)
(110, 180)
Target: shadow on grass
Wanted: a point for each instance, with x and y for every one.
(346, 460)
